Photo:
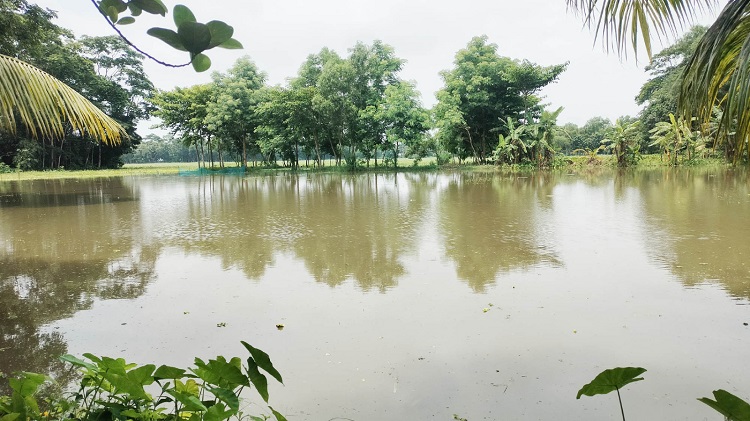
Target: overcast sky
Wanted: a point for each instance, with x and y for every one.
(279, 34)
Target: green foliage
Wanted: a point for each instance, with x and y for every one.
(113, 389)
(676, 137)
(107, 72)
(622, 140)
(610, 380)
(482, 93)
(659, 94)
(190, 35)
(614, 379)
(728, 405)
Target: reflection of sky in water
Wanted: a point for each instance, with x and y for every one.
(383, 281)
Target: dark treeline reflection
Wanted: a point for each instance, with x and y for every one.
(340, 227)
(57, 259)
(492, 224)
(363, 227)
(701, 216)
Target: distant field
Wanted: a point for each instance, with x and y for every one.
(166, 168)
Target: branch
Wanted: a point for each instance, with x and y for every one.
(101, 12)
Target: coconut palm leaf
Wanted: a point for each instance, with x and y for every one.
(44, 104)
(623, 22)
(719, 74)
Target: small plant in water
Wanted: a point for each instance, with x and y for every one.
(612, 379)
(727, 404)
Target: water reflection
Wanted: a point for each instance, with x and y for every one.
(63, 246)
(494, 224)
(699, 218)
(342, 227)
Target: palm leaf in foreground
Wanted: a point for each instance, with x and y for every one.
(44, 104)
(623, 22)
(719, 74)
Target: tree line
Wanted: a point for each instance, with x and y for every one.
(352, 110)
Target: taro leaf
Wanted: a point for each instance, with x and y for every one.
(27, 384)
(126, 21)
(77, 362)
(227, 396)
(131, 383)
(190, 387)
(194, 36)
(221, 373)
(259, 380)
(611, 379)
(732, 407)
(201, 63)
(126, 385)
(155, 7)
(130, 414)
(217, 413)
(169, 36)
(192, 403)
(263, 361)
(231, 44)
(167, 372)
(220, 33)
(92, 357)
(142, 375)
(278, 416)
(182, 14)
(116, 366)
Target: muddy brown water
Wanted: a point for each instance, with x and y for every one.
(403, 297)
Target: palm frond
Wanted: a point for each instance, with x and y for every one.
(623, 22)
(719, 74)
(44, 104)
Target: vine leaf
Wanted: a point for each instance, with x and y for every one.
(195, 37)
(182, 14)
(169, 36)
(201, 63)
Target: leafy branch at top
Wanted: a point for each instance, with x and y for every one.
(191, 36)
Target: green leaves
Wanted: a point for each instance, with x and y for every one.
(190, 35)
(113, 388)
(611, 379)
(195, 37)
(181, 14)
(113, 8)
(168, 36)
(728, 405)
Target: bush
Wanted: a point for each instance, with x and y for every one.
(112, 389)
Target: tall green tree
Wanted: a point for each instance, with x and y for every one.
(232, 112)
(184, 112)
(405, 121)
(481, 92)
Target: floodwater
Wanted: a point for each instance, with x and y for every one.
(403, 297)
